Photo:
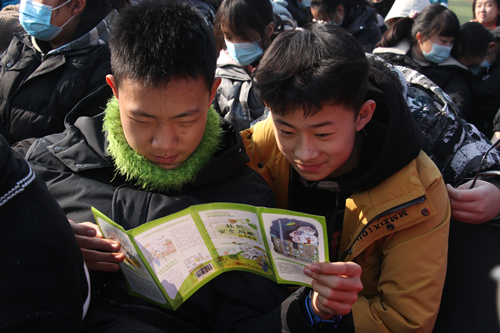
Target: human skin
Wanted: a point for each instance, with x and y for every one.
(321, 146)
(486, 12)
(323, 17)
(476, 205)
(62, 15)
(425, 43)
(324, 145)
(165, 125)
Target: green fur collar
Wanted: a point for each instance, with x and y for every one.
(143, 173)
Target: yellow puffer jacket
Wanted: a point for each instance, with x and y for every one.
(397, 231)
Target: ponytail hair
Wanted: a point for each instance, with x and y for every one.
(433, 18)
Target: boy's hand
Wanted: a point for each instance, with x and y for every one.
(477, 205)
(99, 254)
(336, 287)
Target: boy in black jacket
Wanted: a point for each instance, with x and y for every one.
(163, 149)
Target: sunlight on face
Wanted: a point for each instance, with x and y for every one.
(321, 145)
(165, 125)
(486, 12)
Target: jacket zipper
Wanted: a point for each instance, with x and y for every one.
(387, 212)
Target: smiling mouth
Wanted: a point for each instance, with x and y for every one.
(309, 168)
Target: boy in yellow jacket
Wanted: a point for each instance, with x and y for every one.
(342, 143)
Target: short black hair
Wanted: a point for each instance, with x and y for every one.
(156, 41)
(472, 41)
(304, 69)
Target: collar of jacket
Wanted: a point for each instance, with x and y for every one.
(83, 147)
(232, 72)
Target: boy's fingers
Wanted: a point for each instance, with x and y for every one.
(94, 243)
(348, 269)
(337, 295)
(85, 229)
(96, 256)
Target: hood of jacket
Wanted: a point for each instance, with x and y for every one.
(98, 35)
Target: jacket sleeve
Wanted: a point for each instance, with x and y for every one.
(412, 269)
(246, 302)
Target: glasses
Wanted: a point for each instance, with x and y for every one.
(474, 180)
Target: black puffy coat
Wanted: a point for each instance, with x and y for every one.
(361, 22)
(39, 86)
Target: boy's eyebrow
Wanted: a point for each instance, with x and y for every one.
(325, 123)
(186, 113)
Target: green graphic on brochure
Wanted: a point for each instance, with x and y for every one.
(169, 259)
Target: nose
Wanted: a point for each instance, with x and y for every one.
(306, 150)
(164, 139)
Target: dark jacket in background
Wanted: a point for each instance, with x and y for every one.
(485, 91)
(39, 86)
(44, 286)
(362, 23)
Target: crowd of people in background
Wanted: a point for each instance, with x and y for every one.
(355, 110)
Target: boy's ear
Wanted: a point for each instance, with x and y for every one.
(110, 80)
(216, 84)
(492, 46)
(365, 114)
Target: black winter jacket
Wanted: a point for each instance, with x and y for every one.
(39, 87)
(362, 23)
(79, 174)
(44, 286)
(485, 91)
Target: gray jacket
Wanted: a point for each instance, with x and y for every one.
(236, 99)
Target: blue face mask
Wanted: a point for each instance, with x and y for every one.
(438, 54)
(244, 53)
(479, 69)
(304, 4)
(35, 19)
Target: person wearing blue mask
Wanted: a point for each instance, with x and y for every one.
(61, 58)
(424, 42)
(243, 30)
(476, 49)
(358, 17)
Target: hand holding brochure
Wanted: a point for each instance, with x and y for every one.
(169, 259)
